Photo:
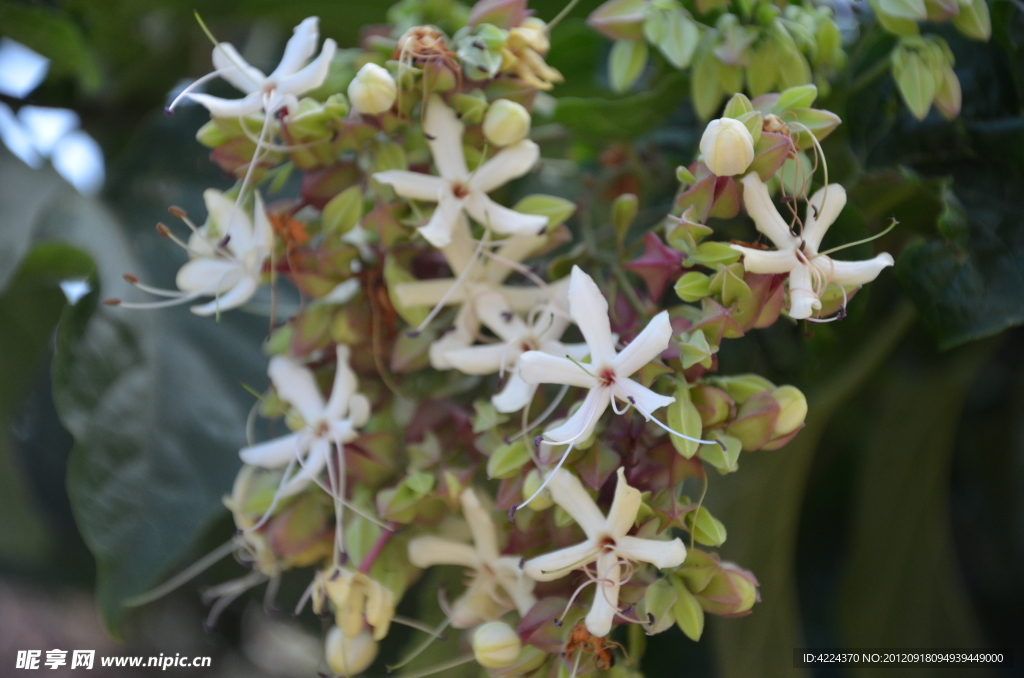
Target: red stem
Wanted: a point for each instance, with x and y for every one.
(378, 546)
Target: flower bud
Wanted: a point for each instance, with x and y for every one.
(506, 122)
(349, 656)
(746, 586)
(496, 645)
(530, 484)
(727, 146)
(792, 409)
(373, 90)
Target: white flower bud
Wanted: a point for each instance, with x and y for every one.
(530, 485)
(349, 656)
(496, 645)
(792, 409)
(373, 90)
(727, 147)
(506, 122)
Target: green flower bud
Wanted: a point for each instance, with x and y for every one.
(792, 409)
(506, 122)
(727, 146)
(530, 484)
(496, 645)
(745, 585)
(373, 90)
(349, 656)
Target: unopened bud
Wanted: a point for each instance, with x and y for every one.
(496, 645)
(349, 656)
(506, 122)
(745, 584)
(792, 409)
(373, 90)
(727, 146)
(530, 485)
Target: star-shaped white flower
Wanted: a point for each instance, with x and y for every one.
(607, 543)
(326, 424)
(607, 374)
(458, 190)
(516, 336)
(227, 255)
(497, 583)
(476, 275)
(292, 77)
(809, 272)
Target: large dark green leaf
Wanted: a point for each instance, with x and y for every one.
(902, 587)
(29, 310)
(625, 118)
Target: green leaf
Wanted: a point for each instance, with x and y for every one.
(556, 209)
(727, 460)
(684, 417)
(705, 88)
(915, 81)
(343, 212)
(620, 19)
(677, 35)
(795, 97)
(624, 210)
(56, 37)
(914, 10)
(706, 529)
(506, 460)
(687, 611)
(693, 286)
(624, 118)
(974, 19)
(625, 63)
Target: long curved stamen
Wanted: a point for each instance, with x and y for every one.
(154, 304)
(434, 634)
(285, 479)
(186, 575)
(227, 55)
(459, 661)
(237, 588)
(194, 84)
(284, 148)
(273, 586)
(459, 280)
(893, 225)
(160, 292)
(304, 598)
(543, 415)
(651, 417)
(337, 491)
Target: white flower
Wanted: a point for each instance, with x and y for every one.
(498, 583)
(809, 272)
(607, 543)
(349, 656)
(227, 258)
(607, 374)
(334, 422)
(475, 277)
(458, 189)
(727, 147)
(269, 93)
(542, 333)
(373, 90)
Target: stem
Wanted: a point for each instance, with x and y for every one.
(378, 546)
(630, 293)
(561, 15)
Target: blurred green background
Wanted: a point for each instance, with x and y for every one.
(895, 519)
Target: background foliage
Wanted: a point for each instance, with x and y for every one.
(895, 519)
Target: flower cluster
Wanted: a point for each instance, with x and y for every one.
(455, 358)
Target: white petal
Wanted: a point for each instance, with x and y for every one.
(296, 386)
(525, 299)
(228, 220)
(427, 292)
(646, 347)
(557, 564)
(209, 276)
(236, 70)
(589, 310)
(580, 425)
(459, 250)
(514, 396)
(485, 535)
(767, 261)
(230, 108)
(802, 299)
(643, 398)
(358, 409)
(575, 351)
(510, 163)
(625, 506)
(430, 550)
(516, 584)
(567, 491)
(438, 231)
(483, 359)
(502, 219)
(537, 367)
(274, 453)
(345, 384)
(606, 595)
(233, 298)
(859, 272)
(762, 211)
(460, 336)
(310, 77)
(299, 49)
(515, 248)
(444, 135)
(815, 227)
(476, 604)
(661, 554)
(263, 232)
(412, 185)
(312, 465)
(495, 312)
